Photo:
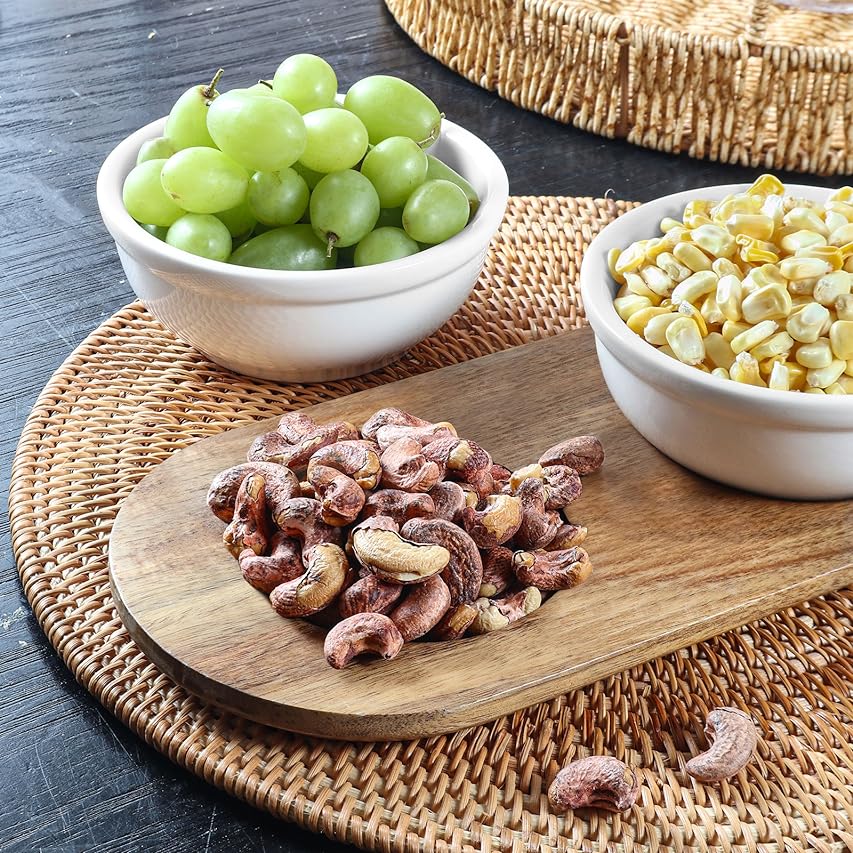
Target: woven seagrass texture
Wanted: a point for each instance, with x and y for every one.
(753, 83)
(131, 394)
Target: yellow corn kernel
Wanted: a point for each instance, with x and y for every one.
(848, 264)
(686, 309)
(835, 220)
(655, 330)
(675, 236)
(754, 225)
(757, 251)
(822, 377)
(626, 306)
(846, 382)
(685, 340)
(698, 208)
(732, 205)
(667, 350)
(670, 265)
(815, 356)
(842, 207)
(718, 350)
(813, 391)
(842, 235)
(801, 240)
(804, 287)
(846, 250)
(831, 254)
(766, 185)
(767, 274)
(770, 302)
(804, 324)
(805, 219)
(612, 255)
(778, 344)
(844, 193)
(631, 258)
(765, 366)
(711, 311)
(623, 291)
(773, 206)
(844, 306)
(714, 240)
(835, 388)
(792, 201)
(732, 328)
(694, 287)
(832, 285)
(745, 370)
(668, 223)
(720, 372)
(657, 280)
(798, 301)
(723, 266)
(753, 336)
(779, 378)
(637, 321)
(654, 247)
(795, 269)
(691, 256)
(849, 369)
(637, 286)
(841, 339)
(796, 374)
(729, 295)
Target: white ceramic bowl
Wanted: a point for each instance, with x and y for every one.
(778, 443)
(306, 326)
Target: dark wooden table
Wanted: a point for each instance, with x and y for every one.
(75, 77)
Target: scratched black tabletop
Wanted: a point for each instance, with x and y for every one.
(75, 77)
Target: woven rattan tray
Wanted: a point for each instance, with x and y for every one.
(131, 394)
(753, 83)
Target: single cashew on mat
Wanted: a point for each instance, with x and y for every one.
(401, 531)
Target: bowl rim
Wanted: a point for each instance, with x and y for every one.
(635, 353)
(309, 286)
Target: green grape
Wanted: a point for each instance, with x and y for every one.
(186, 125)
(144, 197)
(204, 180)
(311, 177)
(344, 208)
(384, 244)
(239, 220)
(436, 170)
(158, 148)
(278, 198)
(390, 217)
(291, 247)
(389, 106)
(435, 211)
(395, 167)
(336, 140)
(262, 87)
(201, 234)
(262, 134)
(306, 81)
(159, 231)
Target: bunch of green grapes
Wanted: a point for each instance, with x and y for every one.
(280, 176)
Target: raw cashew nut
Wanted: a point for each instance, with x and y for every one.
(496, 523)
(358, 459)
(448, 501)
(597, 782)
(399, 505)
(583, 453)
(498, 573)
(280, 485)
(294, 426)
(405, 467)
(552, 570)
(454, 623)
(390, 415)
(494, 614)
(387, 435)
(538, 525)
(422, 608)
(341, 498)
(562, 486)
(567, 536)
(528, 472)
(464, 572)
(394, 559)
(465, 460)
(364, 633)
(317, 587)
(368, 595)
(249, 528)
(303, 519)
(283, 564)
(276, 446)
(500, 475)
(733, 740)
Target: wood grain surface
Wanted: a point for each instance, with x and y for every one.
(676, 559)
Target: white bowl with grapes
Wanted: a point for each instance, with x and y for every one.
(292, 233)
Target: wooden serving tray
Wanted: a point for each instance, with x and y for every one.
(677, 559)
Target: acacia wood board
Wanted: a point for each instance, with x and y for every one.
(677, 559)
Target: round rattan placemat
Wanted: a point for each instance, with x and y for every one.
(750, 82)
(131, 394)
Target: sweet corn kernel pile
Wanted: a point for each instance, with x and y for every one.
(757, 288)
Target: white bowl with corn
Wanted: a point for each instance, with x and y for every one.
(723, 320)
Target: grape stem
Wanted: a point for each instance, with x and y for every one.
(434, 133)
(331, 241)
(209, 91)
(265, 83)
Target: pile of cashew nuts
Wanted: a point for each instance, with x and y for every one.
(401, 531)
